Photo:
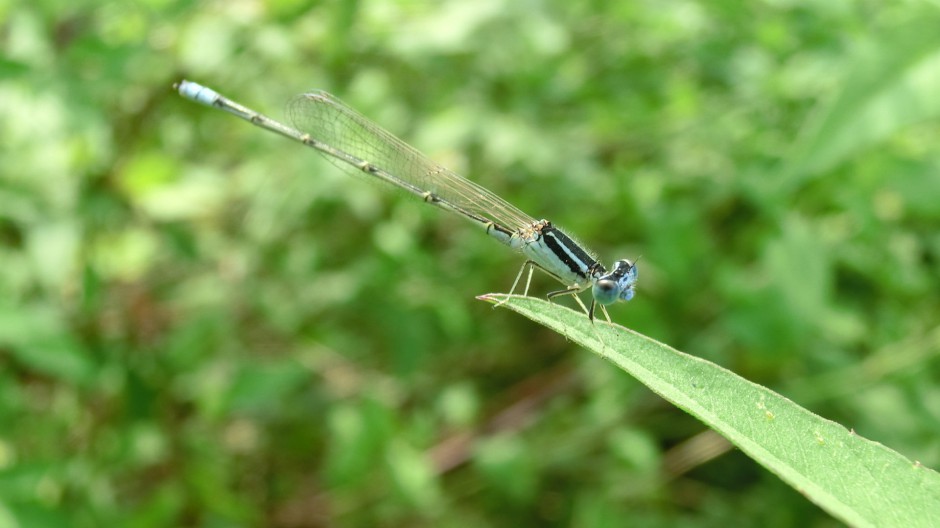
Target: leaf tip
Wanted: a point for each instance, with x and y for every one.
(493, 298)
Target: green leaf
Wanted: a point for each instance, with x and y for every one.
(414, 476)
(38, 337)
(859, 481)
(894, 85)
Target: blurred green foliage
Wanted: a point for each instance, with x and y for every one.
(205, 325)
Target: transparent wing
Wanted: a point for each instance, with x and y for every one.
(327, 119)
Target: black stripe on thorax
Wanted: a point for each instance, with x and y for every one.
(577, 260)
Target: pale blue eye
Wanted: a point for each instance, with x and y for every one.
(627, 294)
(618, 285)
(605, 291)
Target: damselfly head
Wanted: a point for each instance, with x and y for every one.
(618, 285)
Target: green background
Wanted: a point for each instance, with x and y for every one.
(202, 324)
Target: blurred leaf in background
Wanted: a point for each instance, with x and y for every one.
(202, 324)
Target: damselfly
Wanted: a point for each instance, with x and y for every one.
(350, 140)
